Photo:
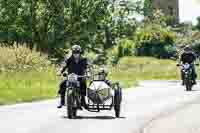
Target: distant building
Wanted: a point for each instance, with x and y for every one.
(169, 7)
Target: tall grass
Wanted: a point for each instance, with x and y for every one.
(20, 58)
(25, 75)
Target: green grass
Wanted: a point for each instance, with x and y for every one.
(130, 70)
(29, 86)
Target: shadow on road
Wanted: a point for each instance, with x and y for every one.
(96, 117)
(192, 90)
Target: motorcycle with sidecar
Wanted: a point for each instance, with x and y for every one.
(101, 95)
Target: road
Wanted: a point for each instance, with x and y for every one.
(149, 102)
(185, 120)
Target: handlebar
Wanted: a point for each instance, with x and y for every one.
(182, 64)
(79, 76)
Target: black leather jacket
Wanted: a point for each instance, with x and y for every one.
(73, 67)
(188, 57)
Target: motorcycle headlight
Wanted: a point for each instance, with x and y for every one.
(186, 72)
(72, 77)
(186, 66)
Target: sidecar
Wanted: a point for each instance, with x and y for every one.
(103, 95)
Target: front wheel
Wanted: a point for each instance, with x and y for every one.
(71, 111)
(188, 85)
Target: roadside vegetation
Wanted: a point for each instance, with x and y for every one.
(29, 86)
(130, 70)
(36, 36)
(25, 75)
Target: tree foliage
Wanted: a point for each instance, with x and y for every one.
(155, 38)
(49, 24)
(53, 26)
(147, 8)
(198, 23)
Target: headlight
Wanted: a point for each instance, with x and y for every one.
(72, 77)
(186, 66)
(186, 72)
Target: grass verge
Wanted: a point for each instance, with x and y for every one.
(130, 70)
(28, 86)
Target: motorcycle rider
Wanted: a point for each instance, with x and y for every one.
(78, 65)
(188, 56)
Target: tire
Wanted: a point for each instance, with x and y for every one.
(71, 111)
(117, 111)
(74, 113)
(188, 85)
(69, 107)
(117, 102)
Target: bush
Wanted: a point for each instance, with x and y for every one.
(154, 40)
(196, 47)
(26, 74)
(99, 57)
(18, 58)
(125, 47)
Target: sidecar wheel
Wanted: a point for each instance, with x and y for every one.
(117, 111)
(74, 113)
(117, 102)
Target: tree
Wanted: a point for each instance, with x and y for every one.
(147, 8)
(198, 23)
(53, 26)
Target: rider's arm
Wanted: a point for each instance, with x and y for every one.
(64, 67)
(195, 56)
(180, 59)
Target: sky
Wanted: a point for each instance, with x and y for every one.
(189, 10)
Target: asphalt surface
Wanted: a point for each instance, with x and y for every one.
(185, 120)
(143, 106)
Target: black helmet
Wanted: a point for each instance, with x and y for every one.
(76, 49)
